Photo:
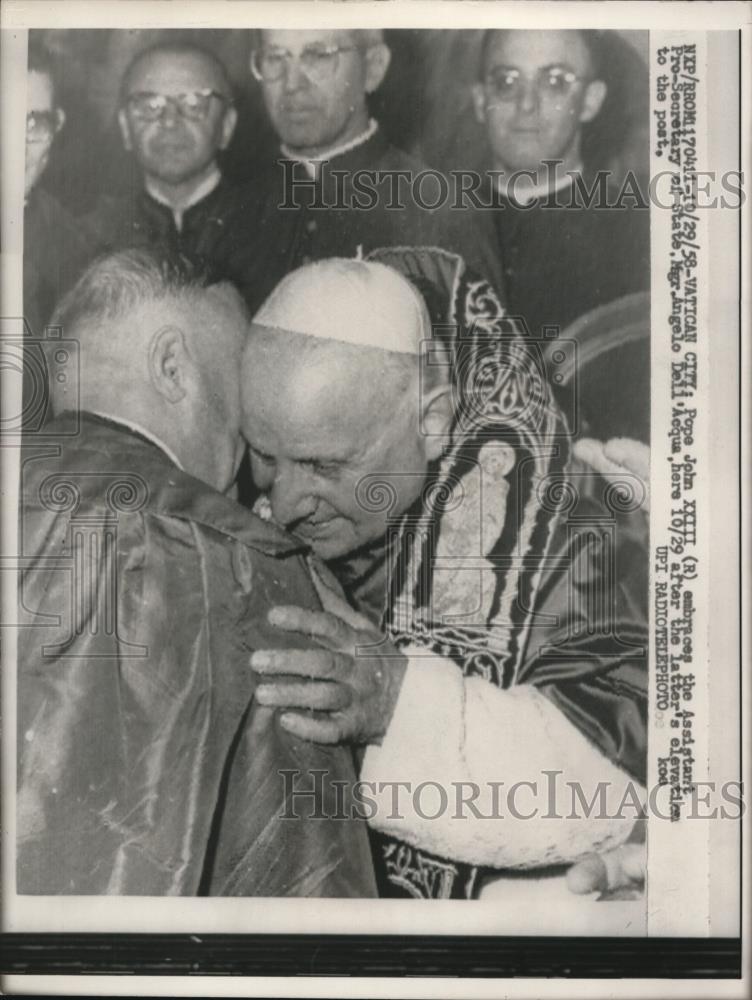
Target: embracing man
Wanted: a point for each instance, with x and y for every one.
(146, 764)
(494, 628)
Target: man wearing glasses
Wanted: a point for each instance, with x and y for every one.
(55, 251)
(176, 116)
(338, 187)
(536, 92)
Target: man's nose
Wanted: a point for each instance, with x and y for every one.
(291, 496)
(294, 77)
(527, 101)
(170, 116)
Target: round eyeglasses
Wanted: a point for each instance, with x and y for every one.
(508, 85)
(41, 126)
(318, 62)
(194, 105)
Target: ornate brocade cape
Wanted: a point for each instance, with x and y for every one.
(515, 562)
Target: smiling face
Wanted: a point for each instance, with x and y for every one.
(319, 100)
(174, 149)
(326, 424)
(540, 117)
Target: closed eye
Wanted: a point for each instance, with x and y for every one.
(326, 469)
(262, 456)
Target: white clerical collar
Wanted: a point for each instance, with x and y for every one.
(526, 195)
(138, 429)
(198, 194)
(311, 165)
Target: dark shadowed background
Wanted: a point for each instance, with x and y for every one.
(424, 104)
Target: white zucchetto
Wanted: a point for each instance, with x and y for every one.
(354, 301)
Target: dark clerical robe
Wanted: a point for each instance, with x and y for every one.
(561, 262)
(368, 196)
(217, 230)
(144, 765)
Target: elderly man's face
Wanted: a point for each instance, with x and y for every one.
(177, 146)
(333, 450)
(43, 121)
(536, 93)
(315, 84)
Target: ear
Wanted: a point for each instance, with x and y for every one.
(60, 117)
(125, 129)
(479, 103)
(437, 414)
(168, 363)
(229, 122)
(377, 58)
(593, 98)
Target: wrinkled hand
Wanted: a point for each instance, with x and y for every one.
(617, 874)
(338, 693)
(615, 457)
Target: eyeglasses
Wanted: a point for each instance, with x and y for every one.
(507, 85)
(318, 62)
(41, 126)
(149, 107)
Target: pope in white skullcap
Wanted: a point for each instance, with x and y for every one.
(354, 301)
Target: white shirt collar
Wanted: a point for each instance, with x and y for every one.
(133, 426)
(524, 195)
(311, 165)
(199, 193)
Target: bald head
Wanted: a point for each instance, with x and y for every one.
(341, 340)
(331, 418)
(198, 66)
(159, 346)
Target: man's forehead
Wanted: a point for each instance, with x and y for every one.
(287, 414)
(297, 40)
(328, 385)
(321, 410)
(39, 92)
(175, 73)
(535, 50)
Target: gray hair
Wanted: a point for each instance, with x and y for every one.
(364, 38)
(116, 284)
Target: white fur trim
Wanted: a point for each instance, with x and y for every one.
(448, 729)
